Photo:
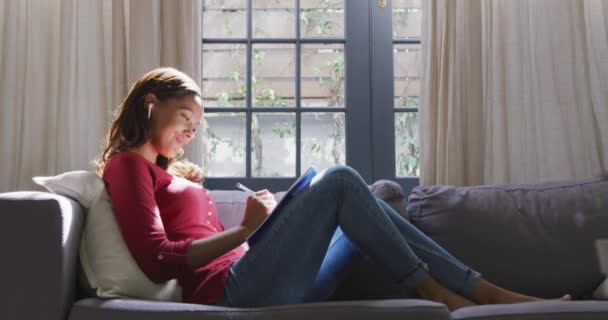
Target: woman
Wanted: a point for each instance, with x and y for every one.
(171, 227)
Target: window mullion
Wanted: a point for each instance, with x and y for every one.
(298, 83)
(248, 104)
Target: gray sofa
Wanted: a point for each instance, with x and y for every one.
(535, 239)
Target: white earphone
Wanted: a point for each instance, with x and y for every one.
(150, 105)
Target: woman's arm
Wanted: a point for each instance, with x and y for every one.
(203, 251)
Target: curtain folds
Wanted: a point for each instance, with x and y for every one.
(54, 94)
(513, 91)
(67, 64)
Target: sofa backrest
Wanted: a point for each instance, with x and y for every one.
(39, 237)
(231, 203)
(538, 239)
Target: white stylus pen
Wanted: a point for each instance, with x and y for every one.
(242, 187)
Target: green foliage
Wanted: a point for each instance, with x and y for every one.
(317, 72)
(214, 141)
(226, 25)
(305, 15)
(408, 161)
(324, 27)
(268, 97)
(234, 76)
(223, 99)
(336, 135)
(336, 65)
(401, 18)
(285, 129)
(412, 102)
(314, 146)
(322, 14)
(238, 150)
(257, 56)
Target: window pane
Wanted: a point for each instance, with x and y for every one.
(322, 75)
(407, 74)
(224, 144)
(322, 140)
(274, 72)
(321, 18)
(273, 19)
(224, 72)
(224, 19)
(407, 19)
(273, 145)
(407, 150)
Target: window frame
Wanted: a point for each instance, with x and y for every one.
(368, 54)
(383, 96)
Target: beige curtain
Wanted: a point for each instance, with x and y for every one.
(153, 33)
(55, 93)
(67, 64)
(514, 91)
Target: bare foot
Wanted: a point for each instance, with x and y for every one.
(511, 297)
(429, 289)
(485, 292)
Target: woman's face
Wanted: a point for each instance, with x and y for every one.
(175, 122)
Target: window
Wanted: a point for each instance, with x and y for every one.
(395, 74)
(406, 59)
(282, 93)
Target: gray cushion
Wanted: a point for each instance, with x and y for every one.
(550, 310)
(118, 309)
(392, 193)
(537, 239)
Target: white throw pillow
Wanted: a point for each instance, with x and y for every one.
(82, 186)
(106, 261)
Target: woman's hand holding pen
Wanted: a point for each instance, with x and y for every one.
(259, 206)
(204, 250)
(267, 198)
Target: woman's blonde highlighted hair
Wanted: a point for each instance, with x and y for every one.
(131, 127)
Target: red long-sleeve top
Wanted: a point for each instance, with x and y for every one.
(159, 216)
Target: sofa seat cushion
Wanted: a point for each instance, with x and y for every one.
(119, 309)
(549, 310)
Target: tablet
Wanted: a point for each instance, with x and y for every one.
(301, 184)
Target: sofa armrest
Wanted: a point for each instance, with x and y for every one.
(39, 241)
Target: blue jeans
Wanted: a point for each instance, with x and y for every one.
(303, 254)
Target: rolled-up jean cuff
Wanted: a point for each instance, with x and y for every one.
(413, 278)
(469, 283)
